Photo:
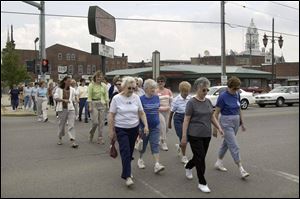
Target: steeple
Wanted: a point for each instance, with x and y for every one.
(8, 39)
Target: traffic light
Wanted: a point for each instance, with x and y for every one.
(45, 65)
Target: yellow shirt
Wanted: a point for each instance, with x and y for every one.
(98, 92)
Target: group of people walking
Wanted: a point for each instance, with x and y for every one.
(145, 110)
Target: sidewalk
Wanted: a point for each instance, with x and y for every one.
(6, 109)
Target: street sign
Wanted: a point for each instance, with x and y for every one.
(62, 76)
(224, 80)
(103, 50)
(62, 69)
(46, 77)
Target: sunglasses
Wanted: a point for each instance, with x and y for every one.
(160, 81)
(118, 84)
(131, 88)
(205, 90)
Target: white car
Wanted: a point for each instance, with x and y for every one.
(279, 96)
(214, 92)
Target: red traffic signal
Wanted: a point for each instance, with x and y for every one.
(45, 66)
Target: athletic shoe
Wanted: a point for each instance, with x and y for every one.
(75, 145)
(129, 182)
(141, 163)
(101, 140)
(158, 168)
(59, 141)
(244, 174)
(219, 166)
(164, 146)
(184, 160)
(189, 174)
(204, 188)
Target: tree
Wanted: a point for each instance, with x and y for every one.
(11, 72)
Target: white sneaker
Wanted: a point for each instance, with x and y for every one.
(164, 146)
(184, 160)
(244, 174)
(129, 182)
(189, 174)
(101, 140)
(204, 188)
(219, 166)
(40, 119)
(178, 149)
(59, 141)
(158, 168)
(141, 164)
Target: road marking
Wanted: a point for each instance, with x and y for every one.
(285, 175)
(288, 176)
(153, 189)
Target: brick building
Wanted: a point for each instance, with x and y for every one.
(79, 63)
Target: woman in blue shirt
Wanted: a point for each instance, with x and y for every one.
(42, 102)
(229, 105)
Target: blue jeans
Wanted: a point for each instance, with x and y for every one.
(27, 101)
(230, 125)
(153, 138)
(83, 103)
(178, 121)
(126, 139)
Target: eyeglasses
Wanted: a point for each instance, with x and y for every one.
(131, 88)
(160, 81)
(118, 84)
(236, 88)
(205, 90)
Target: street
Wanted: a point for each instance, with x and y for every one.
(33, 165)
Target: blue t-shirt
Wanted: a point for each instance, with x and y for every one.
(229, 104)
(151, 106)
(42, 92)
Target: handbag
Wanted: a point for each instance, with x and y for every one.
(113, 151)
(139, 144)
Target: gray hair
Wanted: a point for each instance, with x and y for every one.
(150, 83)
(127, 81)
(201, 82)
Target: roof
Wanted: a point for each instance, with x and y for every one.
(190, 69)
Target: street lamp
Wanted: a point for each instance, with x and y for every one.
(280, 42)
(36, 59)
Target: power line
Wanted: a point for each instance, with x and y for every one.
(150, 20)
(284, 5)
(266, 13)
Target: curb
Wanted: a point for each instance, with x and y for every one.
(17, 115)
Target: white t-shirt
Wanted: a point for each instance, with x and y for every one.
(83, 91)
(126, 110)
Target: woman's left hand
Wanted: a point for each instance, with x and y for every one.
(243, 127)
(146, 131)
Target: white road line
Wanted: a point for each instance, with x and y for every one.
(288, 176)
(152, 188)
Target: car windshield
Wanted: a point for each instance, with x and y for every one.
(279, 90)
(212, 90)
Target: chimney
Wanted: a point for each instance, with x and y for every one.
(12, 34)
(122, 54)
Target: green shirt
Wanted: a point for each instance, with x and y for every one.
(98, 92)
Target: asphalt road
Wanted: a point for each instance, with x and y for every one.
(33, 165)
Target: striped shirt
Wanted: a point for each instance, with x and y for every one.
(179, 104)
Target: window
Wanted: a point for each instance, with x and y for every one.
(80, 70)
(93, 69)
(68, 57)
(59, 56)
(70, 70)
(88, 69)
(73, 57)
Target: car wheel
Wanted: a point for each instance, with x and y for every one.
(280, 102)
(290, 104)
(261, 105)
(244, 104)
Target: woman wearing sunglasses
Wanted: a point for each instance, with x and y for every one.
(197, 129)
(228, 104)
(125, 113)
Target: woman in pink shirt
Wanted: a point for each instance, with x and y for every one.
(165, 97)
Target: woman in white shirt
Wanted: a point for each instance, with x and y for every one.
(65, 97)
(125, 113)
(83, 96)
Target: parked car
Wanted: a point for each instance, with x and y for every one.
(279, 96)
(254, 89)
(214, 92)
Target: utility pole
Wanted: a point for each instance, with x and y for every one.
(103, 59)
(273, 41)
(42, 44)
(223, 56)
(250, 61)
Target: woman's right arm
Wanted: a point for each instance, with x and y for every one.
(111, 126)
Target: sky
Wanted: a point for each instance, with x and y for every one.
(138, 39)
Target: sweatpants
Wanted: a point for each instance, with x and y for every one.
(199, 146)
(163, 119)
(97, 118)
(126, 139)
(63, 117)
(42, 107)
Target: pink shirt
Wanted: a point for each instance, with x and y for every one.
(165, 98)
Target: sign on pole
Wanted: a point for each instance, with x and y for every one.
(62, 69)
(223, 80)
(155, 64)
(103, 50)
